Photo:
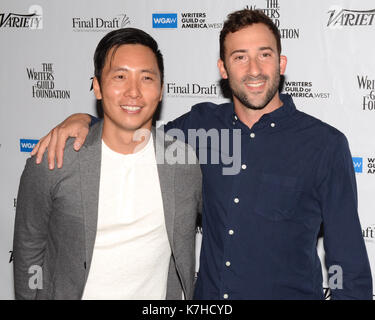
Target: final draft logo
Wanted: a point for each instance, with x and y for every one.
(366, 84)
(11, 258)
(369, 233)
(303, 89)
(94, 24)
(44, 83)
(339, 17)
(193, 90)
(272, 10)
(32, 20)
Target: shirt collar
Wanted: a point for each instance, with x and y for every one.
(286, 110)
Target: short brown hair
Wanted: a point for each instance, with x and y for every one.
(243, 18)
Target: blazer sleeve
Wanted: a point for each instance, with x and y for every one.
(31, 229)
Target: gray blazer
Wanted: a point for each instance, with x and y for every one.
(56, 221)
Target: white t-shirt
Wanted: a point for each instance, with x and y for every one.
(132, 252)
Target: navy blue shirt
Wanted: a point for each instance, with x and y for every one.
(261, 225)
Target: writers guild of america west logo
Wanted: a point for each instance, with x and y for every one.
(303, 89)
(33, 20)
(44, 83)
(364, 165)
(340, 17)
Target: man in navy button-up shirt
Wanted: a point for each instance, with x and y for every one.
(295, 178)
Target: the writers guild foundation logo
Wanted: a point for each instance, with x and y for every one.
(366, 84)
(272, 10)
(340, 18)
(44, 83)
(32, 20)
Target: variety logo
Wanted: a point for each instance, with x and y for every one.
(358, 165)
(368, 85)
(272, 10)
(27, 145)
(164, 20)
(339, 17)
(303, 89)
(100, 24)
(44, 83)
(32, 20)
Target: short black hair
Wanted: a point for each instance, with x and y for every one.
(243, 18)
(116, 38)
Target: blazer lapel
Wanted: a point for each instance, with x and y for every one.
(166, 177)
(90, 162)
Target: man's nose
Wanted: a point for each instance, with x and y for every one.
(254, 68)
(132, 89)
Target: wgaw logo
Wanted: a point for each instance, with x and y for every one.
(364, 165)
(31, 20)
(339, 17)
(358, 164)
(27, 145)
(164, 20)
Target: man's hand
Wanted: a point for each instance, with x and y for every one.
(77, 126)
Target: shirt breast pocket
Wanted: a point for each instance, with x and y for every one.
(277, 197)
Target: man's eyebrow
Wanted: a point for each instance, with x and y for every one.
(266, 48)
(152, 71)
(238, 51)
(245, 50)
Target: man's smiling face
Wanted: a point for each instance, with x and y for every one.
(252, 66)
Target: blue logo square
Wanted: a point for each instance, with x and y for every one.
(358, 164)
(164, 20)
(27, 145)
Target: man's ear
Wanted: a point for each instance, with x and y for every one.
(283, 62)
(161, 92)
(97, 91)
(222, 70)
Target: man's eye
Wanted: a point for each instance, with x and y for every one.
(120, 76)
(239, 58)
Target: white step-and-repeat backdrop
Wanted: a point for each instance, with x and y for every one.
(46, 65)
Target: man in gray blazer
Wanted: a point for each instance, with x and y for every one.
(74, 237)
